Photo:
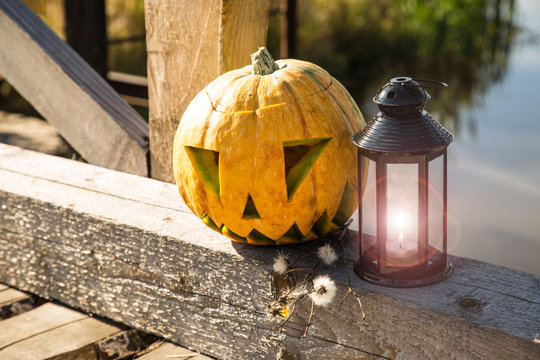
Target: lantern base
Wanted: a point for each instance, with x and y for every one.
(391, 280)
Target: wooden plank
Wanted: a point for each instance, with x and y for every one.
(72, 340)
(3, 287)
(140, 258)
(167, 350)
(87, 112)
(41, 319)
(9, 296)
(14, 302)
(190, 43)
(33, 134)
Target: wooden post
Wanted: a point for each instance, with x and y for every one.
(86, 31)
(288, 29)
(190, 43)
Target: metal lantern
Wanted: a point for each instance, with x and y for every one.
(402, 207)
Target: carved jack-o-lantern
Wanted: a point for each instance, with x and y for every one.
(264, 154)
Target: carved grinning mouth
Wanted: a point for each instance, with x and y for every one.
(299, 158)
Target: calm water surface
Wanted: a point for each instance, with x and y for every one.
(494, 162)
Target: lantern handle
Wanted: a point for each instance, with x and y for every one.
(436, 83)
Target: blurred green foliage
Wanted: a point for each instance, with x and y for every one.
(364, 43)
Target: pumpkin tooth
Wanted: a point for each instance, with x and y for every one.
(346, 205)
(206, 165)
(257, 238)
(295, 236)
(300, 155)
(323, 225)
(235, 237)
(250, 211)
(210, 223)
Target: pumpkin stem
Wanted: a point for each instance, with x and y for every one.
(262, 62)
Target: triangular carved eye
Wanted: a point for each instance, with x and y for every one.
(300, 155)
(206, 164)
(250, 211)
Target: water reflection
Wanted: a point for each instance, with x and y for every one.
(464, 43)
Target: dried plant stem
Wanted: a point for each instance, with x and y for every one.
(309, 319)
(349, 290)
(300, 269)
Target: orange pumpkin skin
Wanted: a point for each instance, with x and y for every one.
(268, 158)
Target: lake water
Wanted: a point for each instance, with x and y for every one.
(494, 162)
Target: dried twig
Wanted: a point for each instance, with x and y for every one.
(280, 326)
(309, 319)
(350, 290)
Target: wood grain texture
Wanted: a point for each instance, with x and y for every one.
(14, 302)
(36, 321)
(71, 341)
(167, 350)
(190, 43)
(86, 111)
(9, 296)
(125, 247)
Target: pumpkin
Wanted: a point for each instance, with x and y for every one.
(264, 154)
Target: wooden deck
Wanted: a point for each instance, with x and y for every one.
(34, 329)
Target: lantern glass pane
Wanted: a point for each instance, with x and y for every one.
(435, 203)
(369, 208)
(402, 202)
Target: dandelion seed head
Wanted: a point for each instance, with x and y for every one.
(281, 263)
(327, 254)
(324, 290)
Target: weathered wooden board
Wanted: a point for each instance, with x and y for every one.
(36, 321)
(86, 111)
(189, 43)
(3, 287)
(8, 296)
(72, 340)
(14, 302)
(125, 247)
(167, 350)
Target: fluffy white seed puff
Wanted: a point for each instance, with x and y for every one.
(327, 254)
(281, 264)
(324, 290)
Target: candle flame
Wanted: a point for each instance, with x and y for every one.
(400, 239)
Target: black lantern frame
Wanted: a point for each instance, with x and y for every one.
(402, 133)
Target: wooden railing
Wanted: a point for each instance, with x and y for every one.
(124, 247)
(86, 111)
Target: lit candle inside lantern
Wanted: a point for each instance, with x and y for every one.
(401, 251)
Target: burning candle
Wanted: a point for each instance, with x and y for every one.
(401, 252)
